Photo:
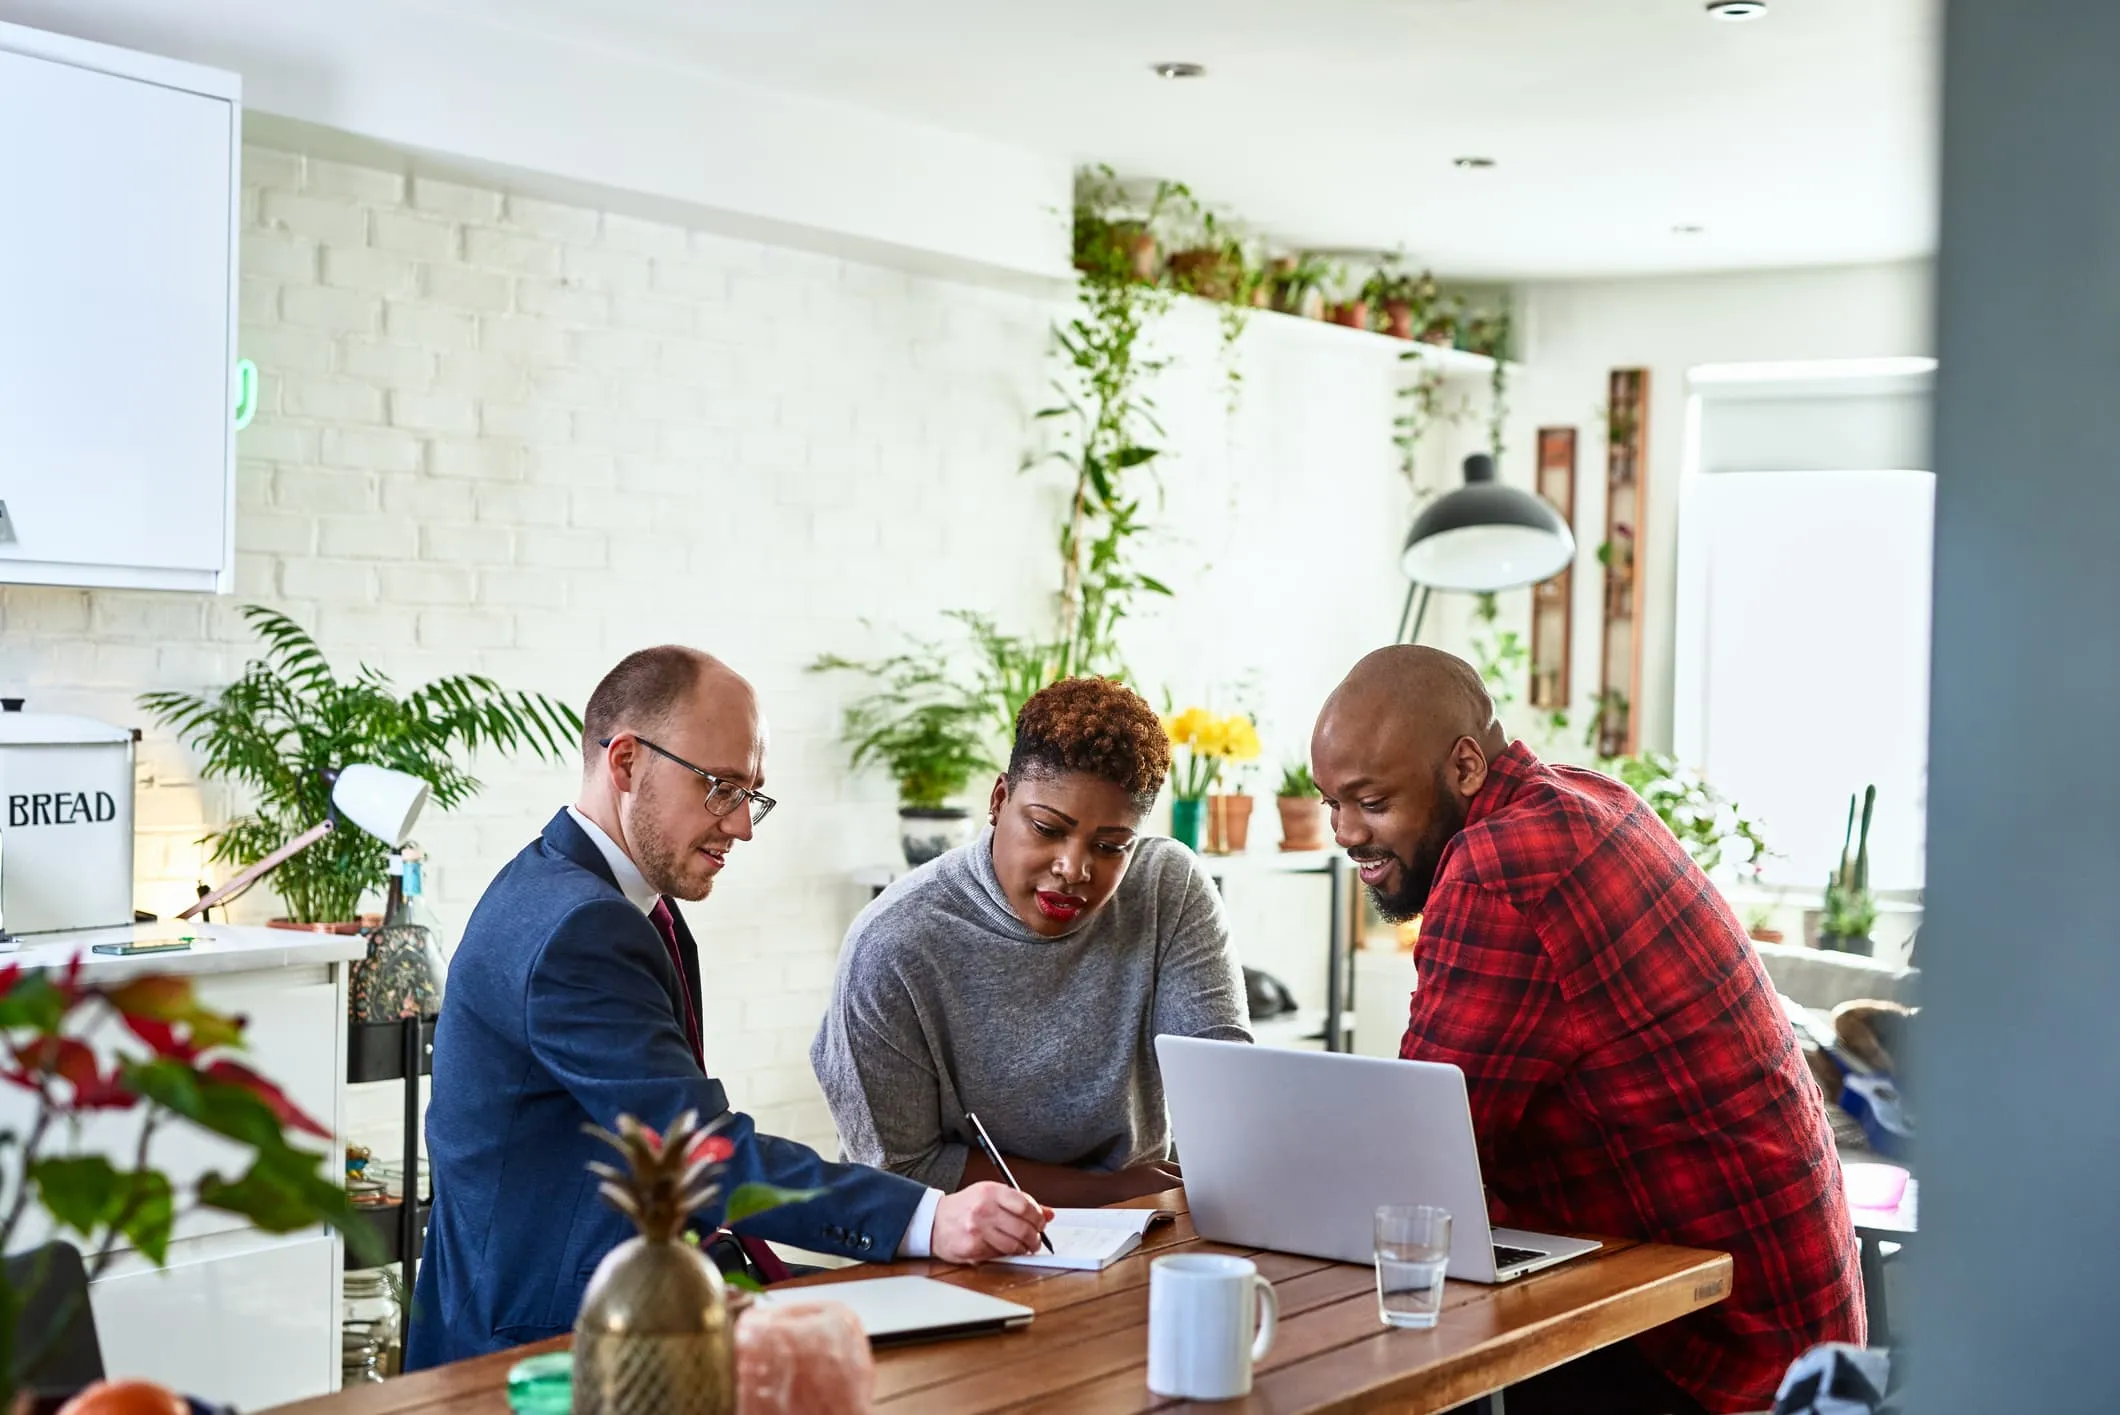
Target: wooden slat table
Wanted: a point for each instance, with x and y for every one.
(1086, 1353)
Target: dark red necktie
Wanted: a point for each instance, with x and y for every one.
(765, 1260)
(667, 927)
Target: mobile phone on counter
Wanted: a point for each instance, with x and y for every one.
(145, 945)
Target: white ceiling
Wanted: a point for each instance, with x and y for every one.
(1805, 137)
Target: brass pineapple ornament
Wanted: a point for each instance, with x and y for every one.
(655, 1335)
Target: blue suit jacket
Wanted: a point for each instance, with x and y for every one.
(562, 1009)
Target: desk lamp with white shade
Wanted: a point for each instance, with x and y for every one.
(376, 799)
(1480, 538)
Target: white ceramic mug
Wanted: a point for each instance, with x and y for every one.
(1202, 1312)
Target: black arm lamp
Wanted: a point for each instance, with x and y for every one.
(1482, 537)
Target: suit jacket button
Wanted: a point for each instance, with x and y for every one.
(867, 1243)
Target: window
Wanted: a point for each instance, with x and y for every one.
(1802, 661)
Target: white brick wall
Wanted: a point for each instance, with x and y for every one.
(522, 439)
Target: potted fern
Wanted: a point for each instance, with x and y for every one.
(289, 723)
(929, 731)
(1850, 909)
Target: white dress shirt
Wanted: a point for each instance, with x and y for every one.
(920, 1232)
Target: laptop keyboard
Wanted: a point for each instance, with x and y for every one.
(1507, 1258)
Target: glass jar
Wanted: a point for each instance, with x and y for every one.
(371, 1333)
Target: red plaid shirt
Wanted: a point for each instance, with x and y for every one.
(1630, 1069)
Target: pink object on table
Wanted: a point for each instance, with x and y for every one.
(1875, 1186)
(800, 1358)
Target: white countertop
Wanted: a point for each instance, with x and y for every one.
(215, 948)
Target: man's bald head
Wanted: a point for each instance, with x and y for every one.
(1399, 752)
(1422, 698)
(648, 688)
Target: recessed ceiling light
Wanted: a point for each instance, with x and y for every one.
(1687, 230)
(1181, 71)
(1736, 9)
(1472, 164)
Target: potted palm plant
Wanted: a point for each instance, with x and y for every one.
(286, 727)
(1302, 812)
(928, 730)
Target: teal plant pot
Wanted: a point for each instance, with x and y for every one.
(1185, 822)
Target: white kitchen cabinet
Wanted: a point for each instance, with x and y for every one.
(249, 1323)
(120, 187)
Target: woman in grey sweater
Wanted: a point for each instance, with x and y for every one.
(1025, 976)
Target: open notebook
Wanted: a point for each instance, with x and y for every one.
(1089, 1239)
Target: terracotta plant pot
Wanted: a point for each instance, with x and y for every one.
(1354, 314)
(338, 926)
(1302, 822)
(1262, 295)
(1398, 316)
(1206, 271)
(1228, 824)
(1141, 255)
(1767, 935)
(1441, 333)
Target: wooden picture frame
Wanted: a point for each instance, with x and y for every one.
(1626, 510)
(1553, 601)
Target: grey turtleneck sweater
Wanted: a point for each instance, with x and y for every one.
(946, 1003)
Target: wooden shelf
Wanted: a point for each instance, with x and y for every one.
(1451, 363)
(1626, 512)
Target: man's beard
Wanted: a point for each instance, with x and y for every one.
(1416, 876)
(660, 858)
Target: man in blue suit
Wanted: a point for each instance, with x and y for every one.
(574, 997)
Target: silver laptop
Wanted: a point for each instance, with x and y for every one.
(1294, 1150)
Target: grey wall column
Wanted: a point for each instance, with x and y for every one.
(2016, 1278)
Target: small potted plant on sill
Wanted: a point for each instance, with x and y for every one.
(926, 729)
(1302, 812)
(1110, 246)
(1850, 909)
(1401, 297)
(1441, 325)
(1351, 311)
(289, 723)
(1209, 262)
(1298, 281)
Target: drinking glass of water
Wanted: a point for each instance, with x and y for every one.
(1413, 1248)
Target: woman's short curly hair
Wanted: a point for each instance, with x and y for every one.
(1097, 726)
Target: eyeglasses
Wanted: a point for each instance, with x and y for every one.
(722, 796)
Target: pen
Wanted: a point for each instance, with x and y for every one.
(986, 1144)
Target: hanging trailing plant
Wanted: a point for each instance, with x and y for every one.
(1491, 335)
(1421, 405)
(1110, 420)
(1233, 319)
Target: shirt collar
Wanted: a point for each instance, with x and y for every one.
(630, 883)
(1506, 774)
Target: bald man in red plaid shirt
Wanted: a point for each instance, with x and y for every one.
(1630, 1069)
